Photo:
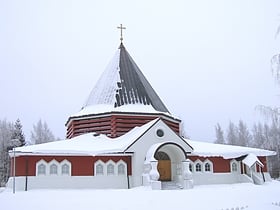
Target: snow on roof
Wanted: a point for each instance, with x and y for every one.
(251, 159)
(105, 108)
(86, 144)
(91, 144)
(121, 84)
(206, 149)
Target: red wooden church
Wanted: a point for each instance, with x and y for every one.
(124, 136)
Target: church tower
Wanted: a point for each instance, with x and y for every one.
(121, 100)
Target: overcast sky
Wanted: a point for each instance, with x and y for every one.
(209, 61)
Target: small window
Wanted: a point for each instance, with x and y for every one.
(99, 169)
(191, 167)
(110, 169)
(160, 133)
(207, 167)
(121, 169)
(65, 170)
(234, 167)
(42, 169)
(198, 167)
(53, 169)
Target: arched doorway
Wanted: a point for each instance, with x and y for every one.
(164, 166)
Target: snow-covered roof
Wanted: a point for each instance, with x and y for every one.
(207, 149)
(105, 108)
(251, 159)
(87, 144)
(121, 84)
(92, 144)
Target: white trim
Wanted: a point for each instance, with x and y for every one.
(211, 166)
(38, 164)
(125, 168)
(99, 162)
(201, 165)
(57, 165)
(233, 161)
(113, 164)
(68, 163)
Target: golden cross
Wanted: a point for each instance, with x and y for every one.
(121, 28)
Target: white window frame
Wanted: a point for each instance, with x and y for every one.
(99, 162)
(237, 166)
(191, 166)
(54, 162)
(38, 164)
(207, 161)
(201, 166)
(110, 163)
(121, 162)
(68, 163)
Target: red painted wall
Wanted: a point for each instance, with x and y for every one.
(220, 165)
(80, 165)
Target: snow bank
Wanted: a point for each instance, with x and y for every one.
(235, 196)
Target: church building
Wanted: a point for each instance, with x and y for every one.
(123, 137)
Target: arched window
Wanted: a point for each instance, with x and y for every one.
(42, 169)
(110, 169)
(121, 169)
(207, 167)
(198, 167)
(191, 167)
(65, 169)
(99, 169)
(53, 169)
(234, 167)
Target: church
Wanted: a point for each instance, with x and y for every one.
(123, 137)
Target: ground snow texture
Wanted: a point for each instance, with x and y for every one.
(219, 197)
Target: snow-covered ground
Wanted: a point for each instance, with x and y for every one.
(231, 197)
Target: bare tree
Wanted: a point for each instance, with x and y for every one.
(41, 133)
(219, 135)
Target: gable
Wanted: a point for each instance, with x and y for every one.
(159, 132)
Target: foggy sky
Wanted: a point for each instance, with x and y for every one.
(209, 61)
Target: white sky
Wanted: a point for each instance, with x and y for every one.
(208, 60)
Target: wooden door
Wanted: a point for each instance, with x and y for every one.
(164, 169)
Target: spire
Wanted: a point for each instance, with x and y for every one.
(122, 83)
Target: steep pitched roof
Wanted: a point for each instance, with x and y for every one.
(123, 83)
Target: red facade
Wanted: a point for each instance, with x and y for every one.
(221, 165)
(80, 165)
(115, 124)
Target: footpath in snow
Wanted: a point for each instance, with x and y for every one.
(219, 197)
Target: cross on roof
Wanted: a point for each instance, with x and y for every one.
(121, 28)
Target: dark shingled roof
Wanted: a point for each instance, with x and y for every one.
(131, 87)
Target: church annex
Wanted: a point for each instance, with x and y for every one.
(123, 137)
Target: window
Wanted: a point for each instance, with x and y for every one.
(99, 169)
(53, 169)
(234, 167)
(42, 169)
(110, 169)
(207, 167)
(198, 167)
(121, 169)
(191, 167)
(65, 169)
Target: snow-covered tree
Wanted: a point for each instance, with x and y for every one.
(18, 133)
(260, 137)
(244, 136)
(219, 135)
(6, 131)
(232, 134)
(41, 133)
